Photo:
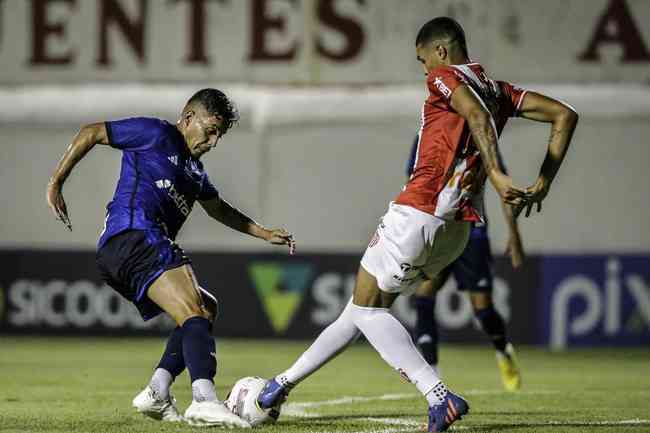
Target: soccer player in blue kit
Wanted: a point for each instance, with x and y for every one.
(161, 177)
(472, 271)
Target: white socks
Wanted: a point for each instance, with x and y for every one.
(332, 341)
(387, 336)
(203, 390)
(395, 345)
(437, 395)
(160, 383)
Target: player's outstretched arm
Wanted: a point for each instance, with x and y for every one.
(563, 119)
(515, 247)
(466, 103)
(230, 216)
(85, 140)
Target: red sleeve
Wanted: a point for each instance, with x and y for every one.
(442, 82)
(513, 97)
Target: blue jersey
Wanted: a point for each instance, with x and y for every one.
(159, 180)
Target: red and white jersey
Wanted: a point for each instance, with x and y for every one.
(448, 177)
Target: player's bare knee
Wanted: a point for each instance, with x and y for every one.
(186, 310)
(210, 304)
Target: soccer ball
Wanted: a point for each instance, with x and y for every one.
(242, 401)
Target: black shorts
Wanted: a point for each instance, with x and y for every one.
(131, 261)
(473, 269)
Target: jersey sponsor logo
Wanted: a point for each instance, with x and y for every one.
(442, 87)
(175, 195)
(173, 159)
(163, 183)
(280, 287)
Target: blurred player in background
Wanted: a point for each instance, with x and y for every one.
(161, 177)
(473, 273)
(428, 225)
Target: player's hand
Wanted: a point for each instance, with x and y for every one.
(534, 195)
(281, 237)
(507, 191)
(57, 204)
(515, 250)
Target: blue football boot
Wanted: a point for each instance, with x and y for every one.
(442, 415)
(273, 394)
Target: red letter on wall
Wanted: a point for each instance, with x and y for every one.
(617, 26)
(110, 11)
(350, 29)
(261, 24)
(42, 29)
(196, 26)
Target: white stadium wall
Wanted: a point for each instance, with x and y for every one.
(315, 41)
(324, 163)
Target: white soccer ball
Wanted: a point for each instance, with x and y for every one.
(242, 401)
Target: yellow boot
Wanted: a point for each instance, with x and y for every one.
(507, 363)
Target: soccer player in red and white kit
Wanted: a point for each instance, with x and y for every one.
(428, 224)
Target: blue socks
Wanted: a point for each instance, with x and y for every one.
(493, 325)
(426, 330)
(172, 359)
(199, 350)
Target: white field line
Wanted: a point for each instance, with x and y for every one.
(351, 399)
(300, 410)
(414, 425)
(386, 430)
(392, 421)
(635, 421)
(501, 391)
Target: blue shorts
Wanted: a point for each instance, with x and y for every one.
(131, 261)
(473, 269)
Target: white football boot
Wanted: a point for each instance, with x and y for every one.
(213, 413)
(148, 403)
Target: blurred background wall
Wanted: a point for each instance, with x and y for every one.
(330, 94)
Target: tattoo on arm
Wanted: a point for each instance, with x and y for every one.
(485, 138)
(555, 131)
(558, 144)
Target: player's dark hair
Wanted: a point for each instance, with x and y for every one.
(442, 28)
(217, 103)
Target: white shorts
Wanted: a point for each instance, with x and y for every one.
(410, 244)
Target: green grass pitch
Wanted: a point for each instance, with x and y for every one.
(86, 385)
